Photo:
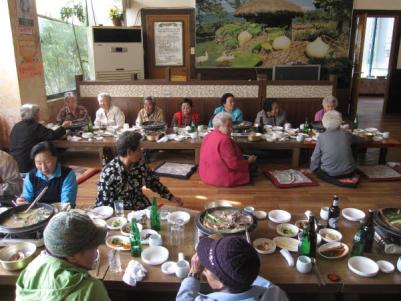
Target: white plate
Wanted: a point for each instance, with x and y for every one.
(385, 266)
(371, 130)
(330, 235)
(147, 232)
(126, 229)
(121, 221)
(260, 241)
(179, 215)
(353, 214)
(103, 212)
(288, 243)
(75, 138)
(123, 238)
(280, 229)
(279, 216)
(277, 128)
(330, 245)
(138, 214)
(154, 255)
(363, 266)
(87, 135)
(259, 214)
(168, 267)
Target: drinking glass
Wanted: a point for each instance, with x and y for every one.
(119, 207)
(114, 261)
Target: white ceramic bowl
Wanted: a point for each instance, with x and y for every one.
(103, 212)
(288, 230)
(330, 235)
(363, 266)
(145, 234)
(169, 267)
(385, 266)
(287, 243)
(100, 222)
(279, 216)
(126, 229)
(264, 245)
(115, 223)
(179, 215)
(87, 135)
(260, 214)
(154, 255)
(353, 214)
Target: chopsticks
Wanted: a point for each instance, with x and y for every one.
(98, 264)
(40, 195)
(317, 272)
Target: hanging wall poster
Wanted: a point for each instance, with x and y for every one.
(25, 15)
(168, 41)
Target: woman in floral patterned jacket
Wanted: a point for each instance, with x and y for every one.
(124, 176)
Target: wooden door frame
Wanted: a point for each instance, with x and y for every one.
(167, 11)
(395, 44)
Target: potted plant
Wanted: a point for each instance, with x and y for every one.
(116, 16)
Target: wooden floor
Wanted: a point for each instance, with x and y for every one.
(261, 193)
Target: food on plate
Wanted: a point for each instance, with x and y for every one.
(393, 217)
(18, 256)
(265, 246)
(116, 223)
(227, 219)
(22, 219)
(330, 236)
(334, 251)
(119, 243)
(287, 231)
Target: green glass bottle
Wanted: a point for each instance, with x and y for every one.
(358, 244)
(90, 125)
(312, 237)
(136, 246)
(193, 127)
(154, 215)
(304, 247)
(356, 121)
(306, 126)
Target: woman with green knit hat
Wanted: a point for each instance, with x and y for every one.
(61, 273)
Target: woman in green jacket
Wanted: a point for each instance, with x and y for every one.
(61, 272)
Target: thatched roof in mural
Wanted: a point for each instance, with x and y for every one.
(256, 7)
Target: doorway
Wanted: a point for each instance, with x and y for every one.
(372, 53)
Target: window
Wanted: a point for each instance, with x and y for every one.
(377, 47)
(60, 55)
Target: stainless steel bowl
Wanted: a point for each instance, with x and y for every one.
(221, 203)
(29, 250)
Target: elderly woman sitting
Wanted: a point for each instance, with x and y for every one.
(149, 112)
(28, 132)
(61, 273)
(271, 113)
(10, 179)
(71, 110)
(228, 106)
(108, 114)
(185, 117)
(60, 181)
(221, 162)
(332, 159)
(329, 103)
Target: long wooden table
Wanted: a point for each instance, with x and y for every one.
(273, 267)
(191, 144)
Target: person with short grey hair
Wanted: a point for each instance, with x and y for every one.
(329, 103)
(61, 272)
(29, 132)
(332, 159)
(108, 114)
(72, 111)
(149, 112)
(221, 162)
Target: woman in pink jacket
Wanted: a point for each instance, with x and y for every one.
(221, 161)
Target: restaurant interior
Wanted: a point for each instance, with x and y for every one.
(274, 121)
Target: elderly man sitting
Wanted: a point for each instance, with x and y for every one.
(332, 159)
(28, 132)
(61, 273)
(231, 267)
(108, 114)
(149, 112)
(71, 110)
(221, 162)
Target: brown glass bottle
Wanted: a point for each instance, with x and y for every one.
(312, 236)
(369, 232)
(260, 127)
(334, 213)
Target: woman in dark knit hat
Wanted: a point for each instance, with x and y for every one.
(231, 266)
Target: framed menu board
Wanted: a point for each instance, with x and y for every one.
(168, 41)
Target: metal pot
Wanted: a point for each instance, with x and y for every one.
(153, 126)
(28, 229)
(29, 250)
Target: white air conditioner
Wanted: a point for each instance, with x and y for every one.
(115, 53)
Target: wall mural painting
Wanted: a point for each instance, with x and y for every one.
(264, 33)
